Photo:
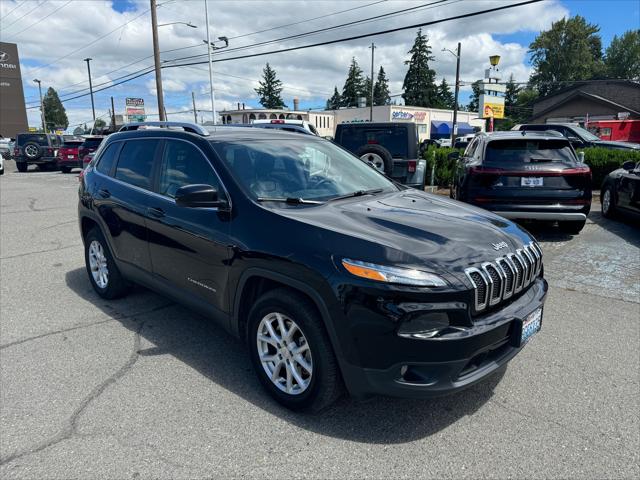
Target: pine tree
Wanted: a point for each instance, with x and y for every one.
(270, 89)
(353, 85)
(474, 99)
(446, 99)
(511, 94)
(381, 89)
(334, 102)
(54, 112)
(366, 90)
(419, 85)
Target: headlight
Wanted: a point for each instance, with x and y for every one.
(387, 274)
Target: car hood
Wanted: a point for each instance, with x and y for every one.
(613, 144)
(414, 228)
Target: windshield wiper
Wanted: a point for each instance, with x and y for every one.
(357, 193)
(289, 200)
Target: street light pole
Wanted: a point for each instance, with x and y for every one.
(93, 109)
(44, 126)
(372, 47)
(213, 97)
(156, 57)
(454, 130)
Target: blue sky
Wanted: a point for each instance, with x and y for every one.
(309, 74)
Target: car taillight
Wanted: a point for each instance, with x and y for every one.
(16, 151)
(485, 171)
(411, 166)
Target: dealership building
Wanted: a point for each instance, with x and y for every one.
(13, 114)
(432, 123)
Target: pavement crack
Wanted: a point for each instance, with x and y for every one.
(69, 430)
(75, 245)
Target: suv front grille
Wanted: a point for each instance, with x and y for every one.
(497, 281)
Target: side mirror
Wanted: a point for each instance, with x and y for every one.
(574, 139)
(198, 196)
(453, 156)
(629, 165)
(581, 157)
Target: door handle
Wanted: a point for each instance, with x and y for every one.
(155, 212)
(104, 193)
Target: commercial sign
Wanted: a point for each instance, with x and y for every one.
(13, 114)
(416, 115)
(491, 106)
(134, 109)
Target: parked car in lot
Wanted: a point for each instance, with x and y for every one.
(463, 141)
(331, 273)
(390, 147)
(525, 175)
(90, 145)
(68, 154)
(6, 148)
(36, 149)
(301, 126)
(578, 136)
(620, 193)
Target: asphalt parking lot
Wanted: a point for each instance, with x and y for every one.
(143, 388)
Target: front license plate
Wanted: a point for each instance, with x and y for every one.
(531, 181)
(531, 325)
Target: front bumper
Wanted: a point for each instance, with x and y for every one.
(427, 367)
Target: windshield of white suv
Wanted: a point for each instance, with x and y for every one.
(585, 134)
(308, 170)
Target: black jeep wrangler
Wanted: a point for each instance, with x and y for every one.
(37, 149)
(390, 147)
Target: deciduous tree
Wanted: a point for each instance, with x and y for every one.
(622, 57)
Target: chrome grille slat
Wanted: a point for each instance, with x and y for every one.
(495, 282)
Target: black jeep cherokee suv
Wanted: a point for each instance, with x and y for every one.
(332, 274)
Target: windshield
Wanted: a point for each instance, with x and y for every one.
(301, 169)
(585, 134)
(528, 151)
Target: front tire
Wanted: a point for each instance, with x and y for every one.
(104, 275)
(607, 202)
(291, 352)
(572, 227)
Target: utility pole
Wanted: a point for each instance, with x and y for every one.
(44, 126)
(156, 57)
(213, 97)
(93, 108)
(454, 129)
(372, 47)
(195, 112)
(113, 115)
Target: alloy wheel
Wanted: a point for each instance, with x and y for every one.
(375, 159)
(284, 353)
(31, 151)
(98, 264)
(606, 201)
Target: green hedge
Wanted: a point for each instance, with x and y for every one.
(600, 160)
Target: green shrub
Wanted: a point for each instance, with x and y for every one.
(602, 161)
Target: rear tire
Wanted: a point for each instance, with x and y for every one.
(65, 169)
(22, 166)
(607, 202)
(572, 227)
(104, 275)
(280, 323)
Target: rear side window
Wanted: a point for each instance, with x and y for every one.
(135, 164)
(528, 151)
(107, 159)
(183, 164)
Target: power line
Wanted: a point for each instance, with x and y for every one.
(42, 19)
(14, 9)
(20, 18)
(327, 42)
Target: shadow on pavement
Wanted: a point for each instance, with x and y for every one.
(201, 344)
(624, 226)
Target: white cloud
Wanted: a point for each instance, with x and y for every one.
(309, 74)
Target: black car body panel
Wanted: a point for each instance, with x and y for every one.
(494, 177)
(216, 260)
(579, 137)
(624, 189)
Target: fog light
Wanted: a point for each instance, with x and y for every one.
(428, 325)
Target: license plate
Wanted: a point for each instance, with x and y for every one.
(531, 181)
(531, 325)
(70, 157)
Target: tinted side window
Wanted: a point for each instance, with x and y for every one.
(136, 162)
(183, 164)
(107, 159)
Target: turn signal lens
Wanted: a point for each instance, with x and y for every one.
(397, 275)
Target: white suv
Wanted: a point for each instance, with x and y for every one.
(283, 124)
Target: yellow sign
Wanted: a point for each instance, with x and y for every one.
(492, 110)
(33, 129)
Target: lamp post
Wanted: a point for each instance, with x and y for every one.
(44, 126)
(93, 109)
(454, 126)
(212, 47)
(188, 24)
(156, 59)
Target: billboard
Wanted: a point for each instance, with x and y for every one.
(13, 114)
(134, 110)
(491, 106)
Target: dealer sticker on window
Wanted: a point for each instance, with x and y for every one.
(531, 325)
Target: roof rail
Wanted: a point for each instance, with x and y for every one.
(186, 126)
